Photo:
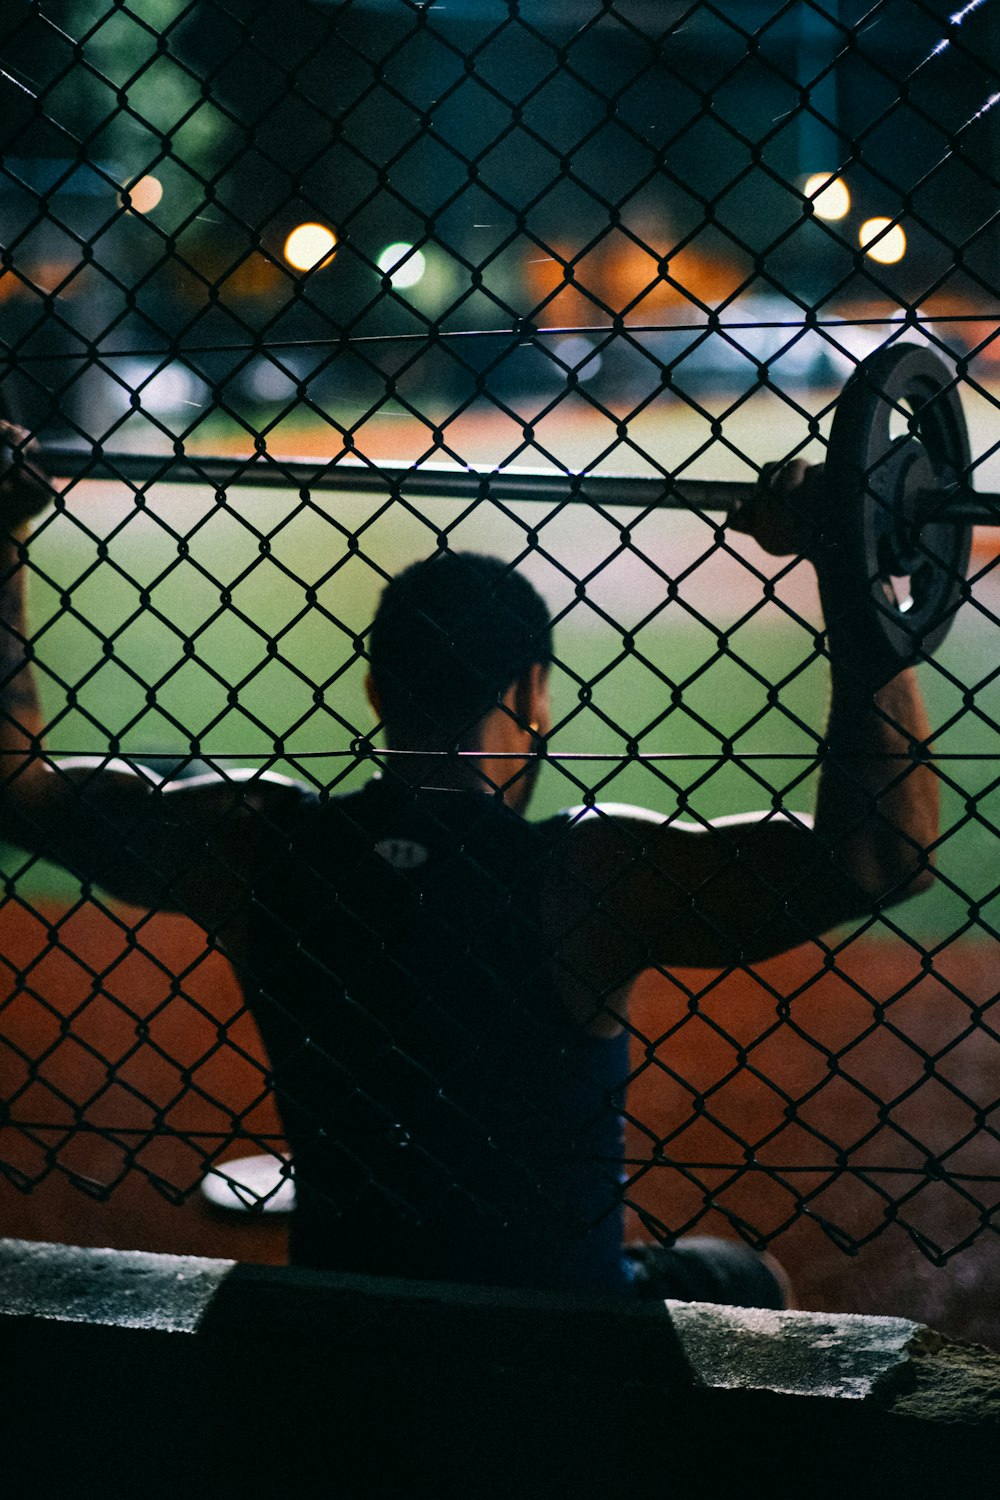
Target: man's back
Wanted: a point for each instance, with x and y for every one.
(447, 1116)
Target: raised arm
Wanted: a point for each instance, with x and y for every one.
(185, 846)
(635, 890)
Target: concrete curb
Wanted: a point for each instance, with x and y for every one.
(841, 1356)
(127, 1373)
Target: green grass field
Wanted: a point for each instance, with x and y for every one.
(188, 620)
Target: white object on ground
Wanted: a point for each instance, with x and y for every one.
(260, 1183)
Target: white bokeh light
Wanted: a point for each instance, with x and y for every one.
(411, 264)
(883, 240)
(577, 352)
(831, 198)
(309, 246)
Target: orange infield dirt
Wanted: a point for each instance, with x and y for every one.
(159, 1059)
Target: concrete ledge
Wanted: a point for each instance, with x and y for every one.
(841, 1356)
(130, 1374)
(957, 1383)
(127, 1373)
(112, 1288)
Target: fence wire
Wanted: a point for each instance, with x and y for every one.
(264, 267)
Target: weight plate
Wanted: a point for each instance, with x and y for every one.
(895, 575)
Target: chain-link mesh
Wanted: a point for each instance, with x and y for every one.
(262, 265)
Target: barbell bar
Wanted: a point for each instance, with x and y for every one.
(426, 480)
(961, 503)
(897, 522)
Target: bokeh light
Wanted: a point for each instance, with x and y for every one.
(411, 264)
(309, 246)
(831, 198)
(577, 353)
(883, 240)
(143, 195)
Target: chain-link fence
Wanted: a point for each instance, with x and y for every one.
(295, 295)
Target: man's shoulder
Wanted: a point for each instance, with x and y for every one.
(599, 840)
(594, 822)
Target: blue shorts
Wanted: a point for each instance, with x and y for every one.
(699, 1268)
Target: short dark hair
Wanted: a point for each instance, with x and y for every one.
(451, 634)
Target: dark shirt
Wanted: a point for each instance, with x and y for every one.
(447, 1117)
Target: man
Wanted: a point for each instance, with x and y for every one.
(442, 987)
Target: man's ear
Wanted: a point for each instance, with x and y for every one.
(531, 699)
(373, 696)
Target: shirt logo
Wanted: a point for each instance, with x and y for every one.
(402, 854)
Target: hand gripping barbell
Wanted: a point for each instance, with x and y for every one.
(899, 510)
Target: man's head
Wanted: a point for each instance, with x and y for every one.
(459, 653)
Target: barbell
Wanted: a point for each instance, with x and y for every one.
(899, 508)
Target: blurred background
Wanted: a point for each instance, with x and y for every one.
(646, 238)
(226, 209)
